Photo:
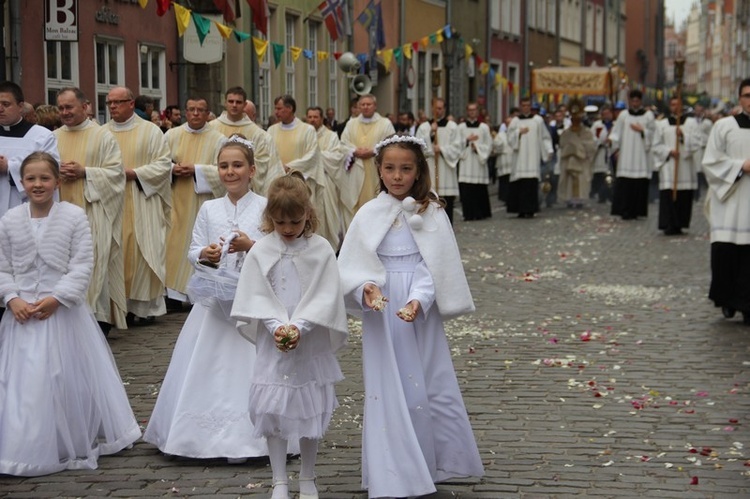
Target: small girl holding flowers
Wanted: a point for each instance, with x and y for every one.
(289, 295)
(400, 253)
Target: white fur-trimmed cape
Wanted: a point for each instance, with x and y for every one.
(321, 303)
(359, 262)
(65, 245)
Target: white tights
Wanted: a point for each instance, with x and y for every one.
(277, 453)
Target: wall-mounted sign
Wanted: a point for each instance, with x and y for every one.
(107, 16)
(61, 20)
(212, 49)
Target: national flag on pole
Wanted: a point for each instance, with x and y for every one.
(261, 14)
(230, 9)
(371, 15)
(336, 17)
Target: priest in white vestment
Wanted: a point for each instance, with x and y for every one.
(444, 147)
(632, 136)
(335, 157)
(234, 121)
(92, 177)
(194, 149)
(473, 172)
(18, 139)
(147, 208)
(675, 208)
(362, 132)
(531, 143)
(726, 164)
(297, 143)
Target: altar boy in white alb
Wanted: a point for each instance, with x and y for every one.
(726, 164)
(531, 143)
(473, 174)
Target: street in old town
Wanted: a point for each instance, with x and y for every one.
(594, 365)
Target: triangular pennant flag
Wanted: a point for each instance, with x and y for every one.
(307, 54)
(202, 26)
(439, 36)
(447, 31)
(182, 16)
(484, 68)
(278, 51)
(296, 52)
(240, 36)
(432, 39)
(336, 55)
(425, 41)
(398, 54)
(387, 59)
(468, 50)
(478, 59)
(407, 51)
(415, 45)
(260, 48)
(162, 6)
(143, 3)
(224, 31)
(322, 56)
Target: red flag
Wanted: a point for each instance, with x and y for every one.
(336, 17)
(260, 15)
(162, 6)
(230, 9)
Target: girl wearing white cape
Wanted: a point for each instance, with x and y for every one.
(62, 403)
(289, 294)
(202, 411)
(402, 273)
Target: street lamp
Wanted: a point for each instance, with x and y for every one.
(449, 46)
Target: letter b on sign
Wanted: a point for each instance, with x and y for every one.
(61, 12)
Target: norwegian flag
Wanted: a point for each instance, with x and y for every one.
(336, 16)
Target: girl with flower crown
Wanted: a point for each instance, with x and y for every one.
(402, 273)
(202, 411)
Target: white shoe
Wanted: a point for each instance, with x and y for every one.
(280, 489)
(314, 495)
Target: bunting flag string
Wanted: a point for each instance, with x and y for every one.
(399, 54)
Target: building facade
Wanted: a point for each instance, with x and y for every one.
(91, 44)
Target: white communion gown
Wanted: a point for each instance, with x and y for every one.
(202, 409)
(62, 402)
(416, 430)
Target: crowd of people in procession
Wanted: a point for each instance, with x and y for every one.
(107, 225)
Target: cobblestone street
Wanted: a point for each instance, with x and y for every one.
(595, 365)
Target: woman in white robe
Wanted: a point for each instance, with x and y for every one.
(416, 430)
(202, 410)
(62, 402)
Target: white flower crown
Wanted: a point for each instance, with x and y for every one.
(399, 138)
(247, 143)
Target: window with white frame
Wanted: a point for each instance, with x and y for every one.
(589, 26)
(541, 15)
(599, 30)
(291, 22)
(510, 16)
(531, 14)
(513, 75)
(313, 30)
(495, 13)
(496, 107)
(333, 81)
(62, 67)
(552, 16)
(110, 72)
(153, 74)
(263, 106)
